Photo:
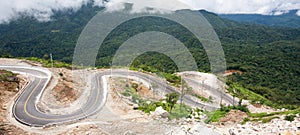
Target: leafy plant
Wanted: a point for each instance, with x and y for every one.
(171, 100)
(245, 120)
(290, 117)
(180, 111)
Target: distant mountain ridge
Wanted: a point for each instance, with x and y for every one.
(268, 56)
(288, 20)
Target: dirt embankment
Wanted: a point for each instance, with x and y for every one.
(119, 84)
(64, 93)
(8, 90)
(233, 117)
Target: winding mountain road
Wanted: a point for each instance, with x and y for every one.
(26, 111)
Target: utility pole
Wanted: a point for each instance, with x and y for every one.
(51, 60)
(110, 69)
(202, 93)
(221, 96)
(128, 70)
(181, 93)
(110, 79)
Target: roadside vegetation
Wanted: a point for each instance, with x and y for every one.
(203, 99)
(242, 93)
(8, 76)
(169, 103)
(46, 62)
(172, 78)
(216, 115)
(237, 90)
(267, 117)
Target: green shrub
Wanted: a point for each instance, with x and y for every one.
(147, 108)
(172, 78)
(290, 117)
(243, 93)
(180, 111)
(7, 76)
(215, 116)
(245, 121)
(266, 120)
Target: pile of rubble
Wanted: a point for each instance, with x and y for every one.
(274, 127)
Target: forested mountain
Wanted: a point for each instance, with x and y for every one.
(287, 20)
(269, 57)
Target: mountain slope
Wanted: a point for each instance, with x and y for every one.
(269, 57)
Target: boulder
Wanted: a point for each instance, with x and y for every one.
(159, 111)
(135, 106)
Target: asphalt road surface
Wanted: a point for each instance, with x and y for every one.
(26, 112)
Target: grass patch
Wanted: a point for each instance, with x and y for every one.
(267, 117)
(171, 78)
(128, 91)
(7, 76)
(215, 116)
(289, 112)
(245, 121)
(48, 63)
(220, 113)
(238, 91)
(243, 93)
(180, 111)
(207, 100)
(266, 120)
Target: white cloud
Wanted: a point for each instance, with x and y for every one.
(43, 9)
(266, 7)
(160, 6)
(245, 6)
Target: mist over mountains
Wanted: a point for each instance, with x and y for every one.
(44, 10)
(290, 19)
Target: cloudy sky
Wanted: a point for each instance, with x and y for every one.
(42, 9)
